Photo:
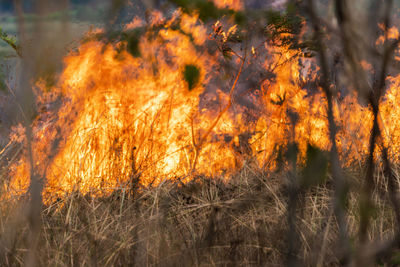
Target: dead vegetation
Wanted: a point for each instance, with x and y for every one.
(207, 222)
(314, 206)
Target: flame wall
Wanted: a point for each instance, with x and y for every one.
(123, 118)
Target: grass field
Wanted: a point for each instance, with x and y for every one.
(207, 222)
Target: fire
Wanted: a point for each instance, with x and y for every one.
(234, 4)
(124, 118)
(283, 96)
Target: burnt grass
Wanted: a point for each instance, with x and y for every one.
(241, 221)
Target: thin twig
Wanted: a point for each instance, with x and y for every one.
(222, 112)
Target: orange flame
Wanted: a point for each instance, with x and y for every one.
(124, 118)
(233, 4)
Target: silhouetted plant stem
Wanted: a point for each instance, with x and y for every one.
(294, 203)
(337, 175)
(374, 95)
(26, 99)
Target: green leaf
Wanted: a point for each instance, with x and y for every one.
(133, 41)
(285, 28)
(3, 86)
(206, 9)
(292, 152)
(315, 170)
(10, 41)
(240, 18)
(191, 74)
(133, 46)
(395, 260)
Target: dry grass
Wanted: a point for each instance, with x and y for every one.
(246, 221)
(206, 222)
